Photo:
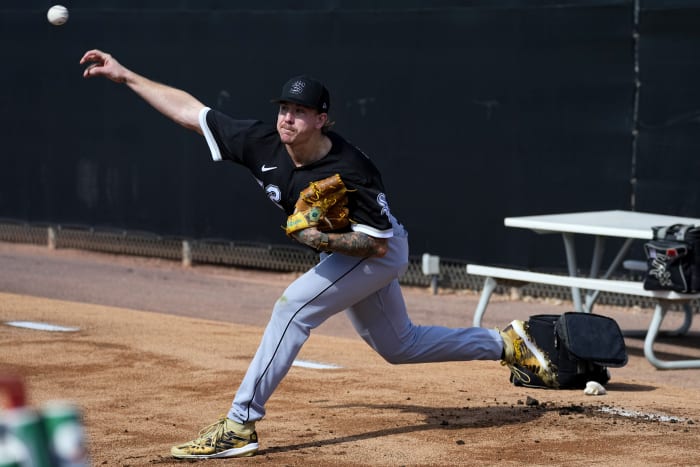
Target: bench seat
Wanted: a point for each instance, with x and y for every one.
(663, 298)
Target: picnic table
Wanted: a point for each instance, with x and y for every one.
(602, 225)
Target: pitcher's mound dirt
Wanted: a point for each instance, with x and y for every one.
(147, 380)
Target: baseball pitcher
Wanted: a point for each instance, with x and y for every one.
(335, 202)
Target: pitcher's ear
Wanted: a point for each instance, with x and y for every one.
(321, 120)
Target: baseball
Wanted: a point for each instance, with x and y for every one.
(594, 388)
(57, 15)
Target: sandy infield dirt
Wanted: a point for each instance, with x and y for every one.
(161, 348)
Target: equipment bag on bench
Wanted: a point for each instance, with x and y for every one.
(673, 259)
(580, 347)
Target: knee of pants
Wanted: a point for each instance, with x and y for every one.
(395, 358)
(390, 355)
(285, 313)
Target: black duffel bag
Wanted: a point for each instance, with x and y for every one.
(673, 259)
(580, 346)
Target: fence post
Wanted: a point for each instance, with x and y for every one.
(186, 253)
(431, 267)
(51, 238)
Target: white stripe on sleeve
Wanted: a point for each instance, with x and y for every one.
(208, 135)
(371, 231)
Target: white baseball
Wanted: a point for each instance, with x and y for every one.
(57, 15)
(594, 388)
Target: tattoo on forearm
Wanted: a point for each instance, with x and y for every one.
(354, 244)
(307, 237)
(350, 243)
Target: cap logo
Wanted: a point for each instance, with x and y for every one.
(297, 87)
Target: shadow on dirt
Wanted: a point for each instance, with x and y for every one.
(661, 355)
(629, 387)
(444, 418)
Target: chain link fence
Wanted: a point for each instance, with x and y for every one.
(281, 258)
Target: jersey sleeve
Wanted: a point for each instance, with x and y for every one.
(232, 139)
(369, 210)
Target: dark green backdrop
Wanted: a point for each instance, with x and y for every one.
(474, 111)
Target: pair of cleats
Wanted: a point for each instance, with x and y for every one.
(226, 438)
(520, 350)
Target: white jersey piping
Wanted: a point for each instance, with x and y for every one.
(208, 135)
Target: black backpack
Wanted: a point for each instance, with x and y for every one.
(580, 346)
(673, 259)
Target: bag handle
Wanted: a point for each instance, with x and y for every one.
(678, 231)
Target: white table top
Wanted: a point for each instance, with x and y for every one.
(627, 224)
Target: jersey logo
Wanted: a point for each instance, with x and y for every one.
(274, 193)
(383, 203)
(267, 169)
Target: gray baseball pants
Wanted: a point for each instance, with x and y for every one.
(369, 292)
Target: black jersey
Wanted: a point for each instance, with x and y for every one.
(257, 146)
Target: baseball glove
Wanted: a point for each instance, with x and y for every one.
(323, 204)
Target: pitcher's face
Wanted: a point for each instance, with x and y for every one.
(296, 123)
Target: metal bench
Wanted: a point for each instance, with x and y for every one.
(515, 277)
